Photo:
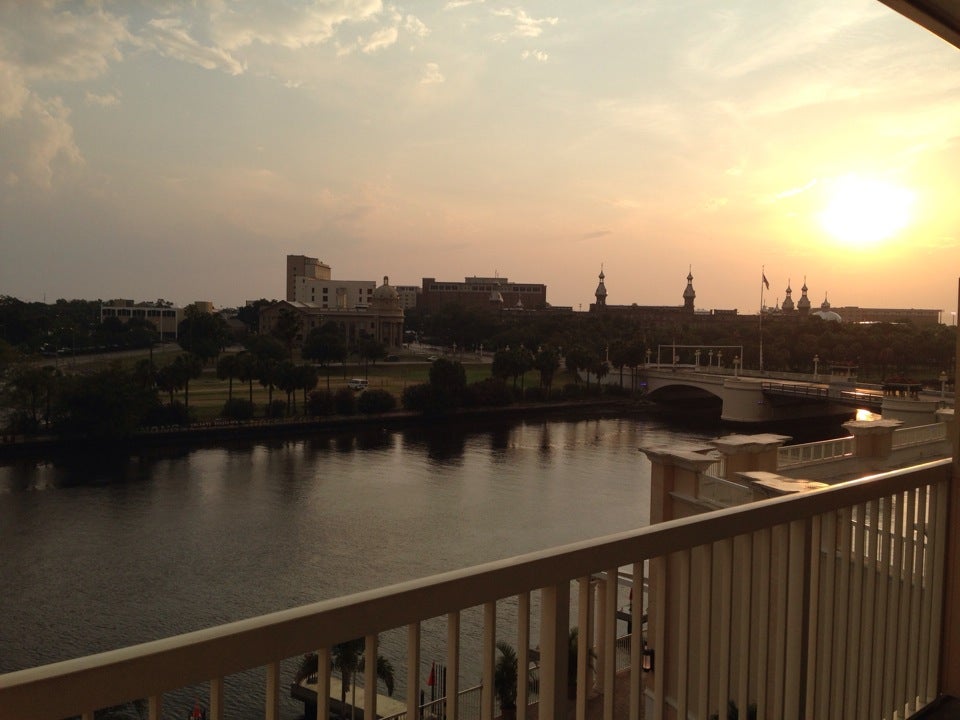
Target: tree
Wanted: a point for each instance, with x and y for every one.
(203, 334)
(228, 367)
(577, 359)
(267, 351)
(448, 380)
(286, 329)
(247, 370)
(186, 367)
(288, 380)
(106, 404)
(369, 349)
(348, 659)
(505, 679)
(306, 380)
(325, 345)
(547, 362)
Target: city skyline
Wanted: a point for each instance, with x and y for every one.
(183, 152)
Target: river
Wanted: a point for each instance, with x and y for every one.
(102, 552)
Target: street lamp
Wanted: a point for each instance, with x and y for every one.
(711, 357)
(816, 367)
(696, 356)
(736, 366)
(719, 358)
(943, 385)
(649, 351)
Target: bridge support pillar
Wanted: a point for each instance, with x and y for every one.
(872, 438)
(747, 453)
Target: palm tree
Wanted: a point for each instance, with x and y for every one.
(505, 680)
(348, 659)
(228, 367)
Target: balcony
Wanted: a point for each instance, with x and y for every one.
(829, 603)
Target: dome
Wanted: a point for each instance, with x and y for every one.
(827, 315)
(385, 291)
(496, 298)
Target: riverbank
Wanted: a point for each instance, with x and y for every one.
(48, 446)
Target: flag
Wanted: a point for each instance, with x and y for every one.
(766, 282)
(432, 679)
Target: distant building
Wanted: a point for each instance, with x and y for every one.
(854, 314)
(688, 308)
(409, 295)
(483, 292)
(381, 318)
(301, 266)
(164, 317)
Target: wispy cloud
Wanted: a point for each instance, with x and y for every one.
(454, 4)
(170, 37)
(431, 74)
(524, 26)
(791, 192)
(538, 55)
(106, 100)
(382, 38)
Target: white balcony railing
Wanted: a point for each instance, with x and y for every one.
(919, 435)
(807, 453)
(824, 604)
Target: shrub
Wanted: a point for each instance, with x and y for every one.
(344, 402)
(320, 402)
(572, 391)
(615, 390)
(238, 409)
(376, 401)
(489, 392)
(277, 409)
(175, 414)
(419, 398)
(534, 394)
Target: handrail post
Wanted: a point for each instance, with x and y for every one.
(554, 637)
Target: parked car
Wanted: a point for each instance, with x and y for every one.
(357, 384)
(393, 358)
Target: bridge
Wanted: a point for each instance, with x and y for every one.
(750, 397)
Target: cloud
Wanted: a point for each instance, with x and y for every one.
(287, 25)
(49, 43)
(35, 140)
(170, 37)
(596, 234)
(455, 4)
(431, 74)
(791, 192)
(524, 26)
(538, 55)
(101, 100)
(382, 38)
(415, 26)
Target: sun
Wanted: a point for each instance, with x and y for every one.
(863, 211)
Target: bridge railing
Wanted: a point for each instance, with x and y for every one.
(815, 452)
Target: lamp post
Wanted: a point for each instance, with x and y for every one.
(649, 351)
(816, 367)
(736, 366)
(719, 358)
(711, 357)
(943, 385)
(696, 356)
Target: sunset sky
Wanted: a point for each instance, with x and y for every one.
(182, 150)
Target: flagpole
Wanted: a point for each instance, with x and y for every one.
(763, 281)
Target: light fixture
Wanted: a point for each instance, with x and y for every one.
(646, 659)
